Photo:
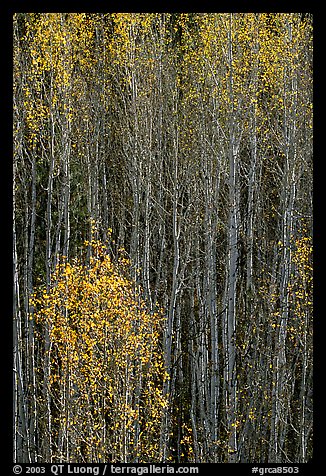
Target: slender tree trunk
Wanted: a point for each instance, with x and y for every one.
(47, 436)
(231, 284)
(169, 384)
(21, 441)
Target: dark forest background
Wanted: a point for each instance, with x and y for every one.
(179, 148)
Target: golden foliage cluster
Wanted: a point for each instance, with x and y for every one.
(106, 367)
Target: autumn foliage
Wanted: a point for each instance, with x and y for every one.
(163, 258)
(106, 368)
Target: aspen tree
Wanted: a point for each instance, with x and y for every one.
(187, 137)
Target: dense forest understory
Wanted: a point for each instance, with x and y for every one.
(162, 237)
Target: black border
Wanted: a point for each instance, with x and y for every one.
(6, 209)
